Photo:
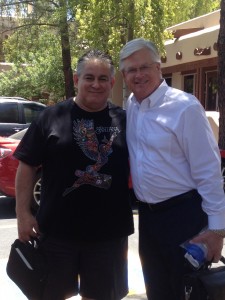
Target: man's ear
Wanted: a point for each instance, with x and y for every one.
(124, 76)
(112, 81)
(158, 66)
(75, 79)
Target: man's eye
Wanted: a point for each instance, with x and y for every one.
(144, 68)
(131, 71)
(89, 78)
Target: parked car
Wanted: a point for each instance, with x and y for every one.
(8, 168)
(17, 113)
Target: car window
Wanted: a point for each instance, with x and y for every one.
(31, 111)
(9, 113)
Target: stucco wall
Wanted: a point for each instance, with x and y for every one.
(187, 44)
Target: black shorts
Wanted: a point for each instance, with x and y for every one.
(96, 270)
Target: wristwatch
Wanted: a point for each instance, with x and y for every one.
(220, 232)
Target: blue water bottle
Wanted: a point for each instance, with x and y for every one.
(196, 254)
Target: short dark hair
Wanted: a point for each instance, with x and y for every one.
(98, 55)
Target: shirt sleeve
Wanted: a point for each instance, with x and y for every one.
(30, 149)
(202, 152)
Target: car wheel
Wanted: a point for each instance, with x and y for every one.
(37, 193)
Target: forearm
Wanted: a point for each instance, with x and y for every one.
(25, 179)
(27, 224)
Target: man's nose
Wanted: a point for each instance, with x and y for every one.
(138, 71)
(96, 83)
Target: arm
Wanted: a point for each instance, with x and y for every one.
(27, 224)
(203, 154)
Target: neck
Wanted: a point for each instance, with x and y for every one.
(88, 108)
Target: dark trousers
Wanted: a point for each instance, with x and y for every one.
(161, 231)
(97, 270)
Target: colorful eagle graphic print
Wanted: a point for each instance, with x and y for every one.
(85, 136)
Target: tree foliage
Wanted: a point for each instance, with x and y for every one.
(112, 24)
(43, 72)
(185, 10)
(36, 20)
(51, 35)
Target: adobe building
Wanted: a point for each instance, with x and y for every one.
(191, 58)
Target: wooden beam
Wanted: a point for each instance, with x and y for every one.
(180, 32)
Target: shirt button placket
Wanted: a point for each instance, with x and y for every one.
(140, 117)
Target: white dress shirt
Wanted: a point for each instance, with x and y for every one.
(173, 150)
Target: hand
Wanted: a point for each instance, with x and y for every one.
(214, 244)
(27, 227)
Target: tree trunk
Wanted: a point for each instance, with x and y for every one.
(221, 76)
(66, 54)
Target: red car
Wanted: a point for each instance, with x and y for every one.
(8, 167)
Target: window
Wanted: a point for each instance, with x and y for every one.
(31, 111)
(9, 113)
(189, 84)
(211, 97)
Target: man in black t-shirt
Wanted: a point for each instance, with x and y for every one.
(85, 215)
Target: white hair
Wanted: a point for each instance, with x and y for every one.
(136, 45)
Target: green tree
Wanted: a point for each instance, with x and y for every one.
(66, 28)
(111, 24)
(51, 15)
(43, 66)
(185, 10)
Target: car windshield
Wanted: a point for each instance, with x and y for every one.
(19, 135)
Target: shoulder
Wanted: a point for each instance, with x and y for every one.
(58, 109)
(116, 111)
(181, 99)
(180, 95)
(64, 104)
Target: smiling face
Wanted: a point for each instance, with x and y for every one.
(94, 85)
(141, 74)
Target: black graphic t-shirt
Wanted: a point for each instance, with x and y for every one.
(84, 159)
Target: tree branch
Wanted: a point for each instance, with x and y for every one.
(28, 25)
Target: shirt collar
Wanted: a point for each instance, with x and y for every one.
(153, 99)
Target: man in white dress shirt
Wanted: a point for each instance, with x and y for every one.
(175, 168)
